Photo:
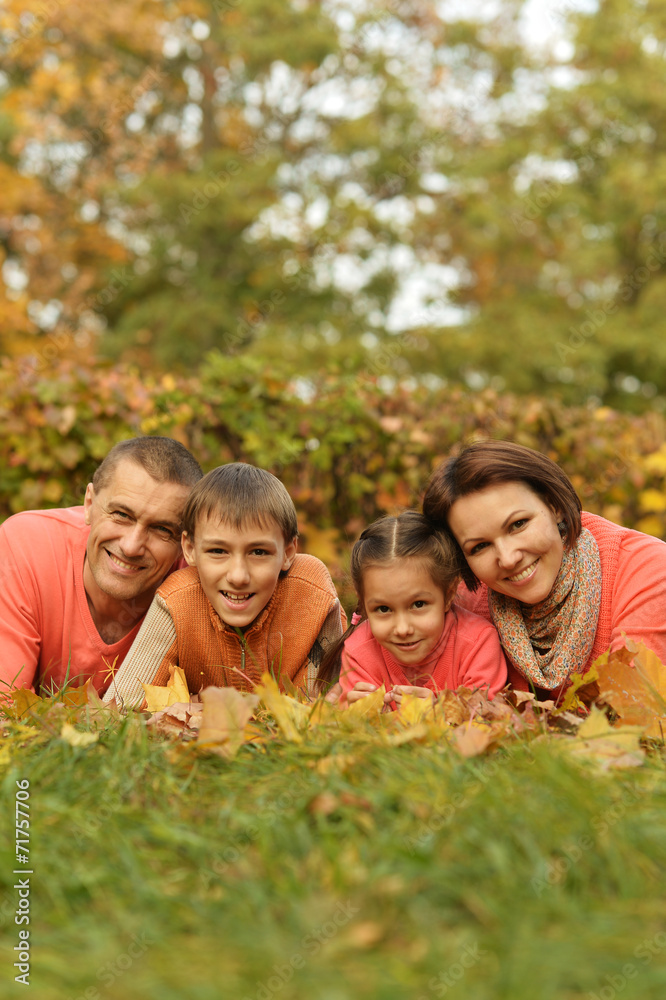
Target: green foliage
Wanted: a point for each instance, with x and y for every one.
(347, 449)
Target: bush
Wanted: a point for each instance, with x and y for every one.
(347, 449)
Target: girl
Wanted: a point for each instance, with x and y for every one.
(406, 633)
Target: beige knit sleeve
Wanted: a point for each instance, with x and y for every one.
(329, 633)
(155, 640)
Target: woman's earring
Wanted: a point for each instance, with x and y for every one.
(562, 528)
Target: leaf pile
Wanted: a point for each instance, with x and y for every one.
(609, 715)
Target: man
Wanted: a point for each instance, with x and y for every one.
(76, 583)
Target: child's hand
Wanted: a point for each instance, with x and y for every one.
(397, 692)
(360, 690)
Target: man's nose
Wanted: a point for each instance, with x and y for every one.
(133, 540)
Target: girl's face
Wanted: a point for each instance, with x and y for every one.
(510, 539)
(405, 608)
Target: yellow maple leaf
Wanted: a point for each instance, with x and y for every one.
(290, 715)
(75, 738)
(174, 692)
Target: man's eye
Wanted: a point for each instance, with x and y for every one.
(120, 513)
(165, 532)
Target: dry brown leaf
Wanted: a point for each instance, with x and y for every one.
(451, 708)
(226, 711)
(177, 720)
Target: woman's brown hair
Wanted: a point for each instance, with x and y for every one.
(489, 463)
(408, 536)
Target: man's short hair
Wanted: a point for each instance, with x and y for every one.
(165, 460)
(241, 494)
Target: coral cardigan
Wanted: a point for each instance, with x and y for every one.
(470, 654)
(182, 629)
(633, 592)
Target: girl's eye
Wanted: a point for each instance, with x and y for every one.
(420, 604)
(382, 609)
(216, 552)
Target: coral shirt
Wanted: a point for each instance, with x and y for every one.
(46, 628)
(469, 654)
(633, 592)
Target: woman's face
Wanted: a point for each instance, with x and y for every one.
(510, 539)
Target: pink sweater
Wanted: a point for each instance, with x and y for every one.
(45, 624)
(469, 654)
(633, 592)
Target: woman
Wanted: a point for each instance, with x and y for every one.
(561, 588)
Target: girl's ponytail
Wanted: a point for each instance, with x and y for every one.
(329, 668)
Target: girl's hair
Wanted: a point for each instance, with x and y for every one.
(489, 463)
(408, 536)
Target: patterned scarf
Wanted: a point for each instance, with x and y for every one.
(564, 624)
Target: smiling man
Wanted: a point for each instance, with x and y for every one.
(77, 582)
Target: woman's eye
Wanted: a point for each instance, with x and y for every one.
(477, 548)
(519, 523)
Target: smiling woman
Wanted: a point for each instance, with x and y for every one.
(560, 585)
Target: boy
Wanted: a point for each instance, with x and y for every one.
(246, 603)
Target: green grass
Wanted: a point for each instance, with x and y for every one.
(335, 871)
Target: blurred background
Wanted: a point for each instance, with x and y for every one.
(306, 233)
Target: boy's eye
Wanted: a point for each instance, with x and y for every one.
(260, 552)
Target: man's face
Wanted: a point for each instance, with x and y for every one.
(134, 534)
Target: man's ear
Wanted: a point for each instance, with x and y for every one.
(87, 502)
(289, 554)
(187, 544)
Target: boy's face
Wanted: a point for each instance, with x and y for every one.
(238, 567)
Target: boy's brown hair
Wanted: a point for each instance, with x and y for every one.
(241, 494)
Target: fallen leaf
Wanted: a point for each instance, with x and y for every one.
(225, 714)
(583, 689)
(372, 704)
(75, 738)
(364, 934)
(413, 709)
(325, 803)
(290, 715)
(24, 700)
(179, 719)
(607, 746)
(632, 681)
(471, 740)
(175, 691)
